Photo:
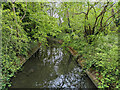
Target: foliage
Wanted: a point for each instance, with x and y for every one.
(20, 25)
(92, 35)
(14, 43)
(104, 57)
(90, 28)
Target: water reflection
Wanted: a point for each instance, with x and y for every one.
(48, 67)
(70, 80)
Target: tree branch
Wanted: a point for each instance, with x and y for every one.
(102, 12)
(25, 12)
(110, 22)
(105, 26)
(87, 11)
(111, 17)
(90, 9)
(86, 17)
(102, 19)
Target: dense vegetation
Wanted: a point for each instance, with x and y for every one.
(90, 28)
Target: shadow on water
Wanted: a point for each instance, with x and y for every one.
(50, 67)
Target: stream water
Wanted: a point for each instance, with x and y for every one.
(49, 67)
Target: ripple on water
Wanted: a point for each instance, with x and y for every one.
(51, 70)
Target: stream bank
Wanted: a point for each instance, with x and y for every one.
(49, 67)
(90, 73)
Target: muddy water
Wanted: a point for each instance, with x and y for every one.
(49, 67)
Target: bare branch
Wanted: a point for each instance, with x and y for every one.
(102, 12)
(110, 22)
(25, 12)
(87, 11)
(111, 16)
(102, 28)
(102, 19)
(86, 17)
